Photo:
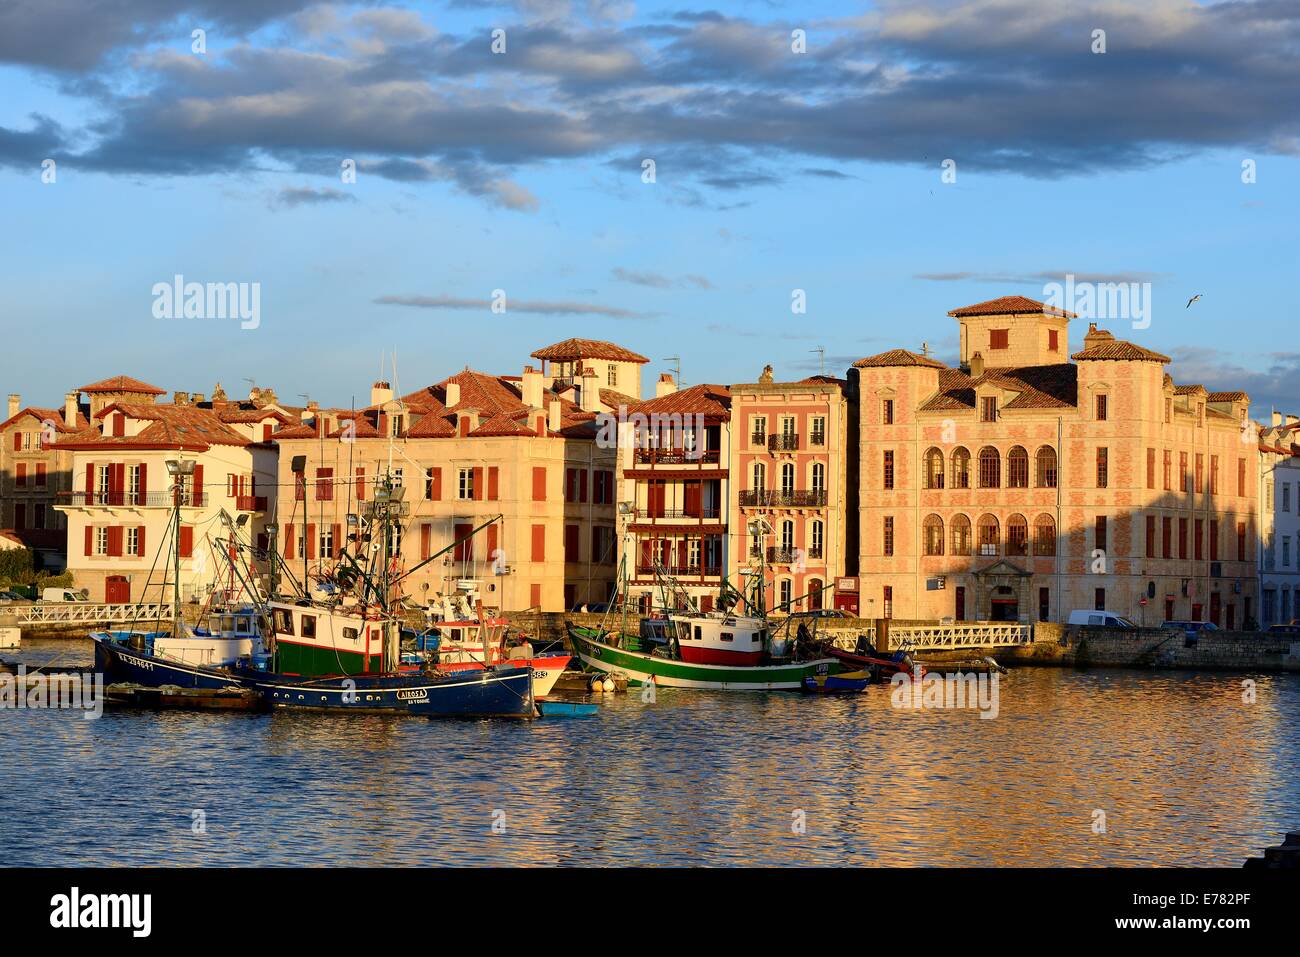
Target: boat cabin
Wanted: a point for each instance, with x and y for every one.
(720, 640)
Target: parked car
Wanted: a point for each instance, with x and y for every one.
(1291, 629)
(1104, 619)
(64, 594)
(8, 597)
(1190, 628)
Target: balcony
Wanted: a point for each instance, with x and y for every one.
(782, 555)
(817, 438)
(676, 457)
(763, 498)
(785, 442)
(112, 499)
(250, 503)
(758, 438)
(708, 511)
(680, 571)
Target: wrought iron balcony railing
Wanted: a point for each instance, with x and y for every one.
(114, 499)
(783, 442)
(782, 499)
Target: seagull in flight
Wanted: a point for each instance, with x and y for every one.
(1192, 300)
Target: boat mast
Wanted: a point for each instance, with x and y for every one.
(178, 468)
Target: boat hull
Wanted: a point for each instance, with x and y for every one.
(886, 668)
(668, 673)
(498, 693)
(546, 670)
(121, 665)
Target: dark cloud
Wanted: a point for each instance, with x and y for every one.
(656, 280)
(532, 307)
(1270, 387)
(292, 196)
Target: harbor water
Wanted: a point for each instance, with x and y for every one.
(1083, 768)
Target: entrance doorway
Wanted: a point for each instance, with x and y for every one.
(117, 590)
(1005, 606)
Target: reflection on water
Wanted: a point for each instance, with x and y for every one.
(1185, 772)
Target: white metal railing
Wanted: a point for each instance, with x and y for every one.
(73, 612)
(992, 634)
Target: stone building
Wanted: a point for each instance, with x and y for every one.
(1279, 540)
(1024, 484)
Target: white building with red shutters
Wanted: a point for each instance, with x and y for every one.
(119, 508)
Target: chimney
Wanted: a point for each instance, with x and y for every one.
(15, 403)
(380, 393)
(532, 388)
(590, 390)
(1277, 419)
(666, 385)
(1292, 420)
(197, 398)
(553, 419)
(453, 394)
(70, 409)
(976, 365)
(181, 398)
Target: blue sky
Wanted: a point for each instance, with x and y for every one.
(521, 171)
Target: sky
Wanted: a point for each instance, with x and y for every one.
(882, 163)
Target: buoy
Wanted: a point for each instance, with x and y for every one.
(608, 684)
(597, 683)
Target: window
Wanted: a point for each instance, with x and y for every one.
(465, 483)
(1017, 535)
(758, 430)
(786, 593)
(998, 338)
(787, 536)
(817, 529)
(101, 540)
(989, 536)
(1169, 410)
(1214, 540)
(960, 535)
(1052, 342)
(1017, 468)
(1151, 468)
(888, 535)
(309, 626)
(989, 408)
(990, 468)
(1186, 476)
(133, 541)
(1182, 538)
(1241, 477)
(1046, 467)
(759, 479)
(1286, 551)
(1166, 537)
(933, 535)
(327, 541)
(1099, 533)
(960, 468)
(818, 477)
(1214, 475)
(887, 600)
(1286, 496)
(611, 376)
(1241, 545)
(934, 469)
(1044, 535)
(1099, 599)
(817, 433)
(1103, 471)
(1151, 536)
(324, 485)
(887, 411)
(889, 469)
(1168, 470)
(1198, 551)
(1101, 406)
(1200, 472)
(787, 479)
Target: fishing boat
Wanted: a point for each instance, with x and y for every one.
(847, 682)
(461, 636)
(865, 656)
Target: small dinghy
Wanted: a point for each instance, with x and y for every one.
(566, 709)
(845, 682)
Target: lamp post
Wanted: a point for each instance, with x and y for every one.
(179, 470)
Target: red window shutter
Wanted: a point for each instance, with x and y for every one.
(90, 540)
(426, 541)
(539, 483)
(119, 483)
(266, 432)
(539, 543)
(464, 551)
(492, 542)
(139, 540)
(119, 425)
(570, 543)
(198, 486)
(18, 441)
(144, 482)
(647, 554)
(338, 540)
(288, 541)
(361, 485)
(115, 541)
(40, 474)
(20, 474)
(478, 483)
(437, 485)
(311, 541)
(582, 485)
(90, 483)
(493, 483)
(187, 541)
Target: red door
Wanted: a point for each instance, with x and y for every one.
(961, 603)
(117, 590)
(1214, 608)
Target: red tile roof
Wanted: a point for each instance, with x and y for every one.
(1108, 347)
(572, 349)
(1010, 305)
(170, 426)
(500, 425)
(898, 357)
(1039, 387)
(54, 416)
(1190, 390)
(1229, 397)
(711, 401)
(123, 383)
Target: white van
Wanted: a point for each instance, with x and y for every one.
(63, 594)
(1105, 619)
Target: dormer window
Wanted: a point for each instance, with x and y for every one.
(998, 338)
(989, 408)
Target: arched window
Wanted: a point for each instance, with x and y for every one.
(815, 533)
(785, 593)
(960, 468)
(1044, 535)
(960, 535)
(1017, 468)
(932, 529)
(934, 469)
(990, 468)
(787, 537)
(815, 595)
(989, 536)
(759, 481)
(1046, 467)
(787, 479)
(1017, 535)
(818, 477)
